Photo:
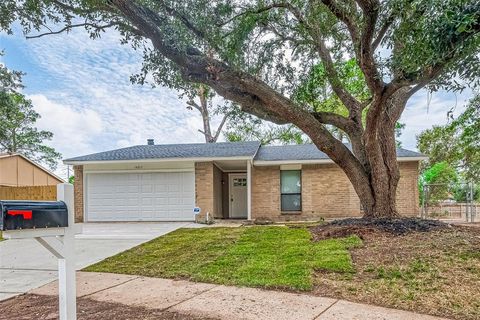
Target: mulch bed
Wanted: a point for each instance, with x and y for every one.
(36, 307)
(364, 227)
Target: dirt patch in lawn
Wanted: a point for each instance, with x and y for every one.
(363, 227)
(435, 272)
(35, 307)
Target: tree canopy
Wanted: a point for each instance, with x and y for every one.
(258, 54)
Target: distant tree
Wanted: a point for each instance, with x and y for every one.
(460, 192)
(201, 98)
(399, 127)
(17, 123)
(457, 143)
(441, 179)
(10, 80)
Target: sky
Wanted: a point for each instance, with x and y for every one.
(82, 90)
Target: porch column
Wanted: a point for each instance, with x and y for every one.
(249, 190)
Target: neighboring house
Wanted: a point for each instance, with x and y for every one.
(228, 180)
(17, 170)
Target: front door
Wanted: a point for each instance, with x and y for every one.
(238, 195)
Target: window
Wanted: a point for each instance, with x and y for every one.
(291, 190)
(239, 182)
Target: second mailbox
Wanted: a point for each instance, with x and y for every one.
(32, 214)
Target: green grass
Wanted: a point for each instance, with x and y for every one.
(269, 257)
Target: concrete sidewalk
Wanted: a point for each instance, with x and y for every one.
(217, 301)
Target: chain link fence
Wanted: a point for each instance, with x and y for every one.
(457, 201)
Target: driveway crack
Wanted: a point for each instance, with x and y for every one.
(108, 288)
(328, 308)
(198, 294)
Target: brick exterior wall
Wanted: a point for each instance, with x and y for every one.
(326, 192)
(407, 190)
(78, 192)
(204, 190)
(266, 192)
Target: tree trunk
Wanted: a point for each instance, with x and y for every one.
(380, 148)
(207, 131)
(210, 137)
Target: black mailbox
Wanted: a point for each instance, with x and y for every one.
(32, 214)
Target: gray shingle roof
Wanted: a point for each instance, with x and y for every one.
(308, 152)
(174, 151)
(218, 150)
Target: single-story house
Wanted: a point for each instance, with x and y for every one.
(227, 180)
(17, 170)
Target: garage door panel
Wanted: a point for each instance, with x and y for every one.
(159, 196)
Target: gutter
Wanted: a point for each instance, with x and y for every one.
(79, 162)
(322, 161)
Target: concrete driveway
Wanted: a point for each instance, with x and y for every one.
(25, 264)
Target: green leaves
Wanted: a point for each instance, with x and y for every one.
(316, 92)
(457, 144)
(17, 119)
(245, 127)
(436, 34)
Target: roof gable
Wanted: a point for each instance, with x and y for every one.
(35, 164)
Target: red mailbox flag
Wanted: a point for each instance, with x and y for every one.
(27, 214)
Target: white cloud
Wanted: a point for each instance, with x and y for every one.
(92, 79)
(424, 111)
(74, 130)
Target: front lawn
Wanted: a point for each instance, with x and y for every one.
(435, 272)
(269, 257)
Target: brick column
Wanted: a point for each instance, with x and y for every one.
(78, 193)
(204, 194)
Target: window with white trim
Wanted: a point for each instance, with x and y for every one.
(291, 190)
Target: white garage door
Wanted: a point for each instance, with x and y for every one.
(158, 196)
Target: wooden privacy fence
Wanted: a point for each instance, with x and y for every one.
(47, 193)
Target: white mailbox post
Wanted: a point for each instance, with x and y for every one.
(61, 243)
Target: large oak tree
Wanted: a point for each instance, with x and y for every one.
(256, 53)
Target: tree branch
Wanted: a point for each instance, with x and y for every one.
(220, 127)
(193, 104)
(186, 22)
(334, 119)
(72, 26)
(257, 11)
(345, 17)
(373, 78)
(383, 30)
